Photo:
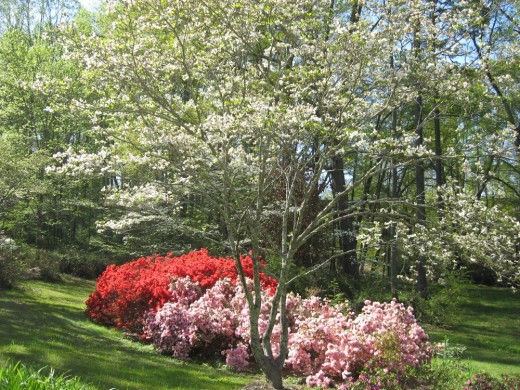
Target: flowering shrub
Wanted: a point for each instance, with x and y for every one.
(384, 336)
(216, 321)
(317, 324)
(124, 294)
(373, 380)
(327, 343)
(192, 305)
(485, 381)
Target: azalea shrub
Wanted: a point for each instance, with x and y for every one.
(383, 337)
(327, 343)
(125, 294)
(192, 307)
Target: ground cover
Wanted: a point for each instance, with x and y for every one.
(44, 324)
(16, 376)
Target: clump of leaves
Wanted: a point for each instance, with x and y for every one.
(18, 376)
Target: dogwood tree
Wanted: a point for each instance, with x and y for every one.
(230, 100)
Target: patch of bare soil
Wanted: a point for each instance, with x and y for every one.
(262, 385)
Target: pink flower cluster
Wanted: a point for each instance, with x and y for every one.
(327, 343)
(384, 336)
(216, 320)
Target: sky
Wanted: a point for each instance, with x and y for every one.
(89, 4)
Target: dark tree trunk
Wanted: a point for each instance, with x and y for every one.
(348, 242)
(420, 197)
(393, 246)
(439, 173)
(422, 283)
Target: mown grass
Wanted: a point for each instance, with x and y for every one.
(43, 324)
(487, 322)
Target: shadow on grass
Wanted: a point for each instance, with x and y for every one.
(488, 325)
(44, 325)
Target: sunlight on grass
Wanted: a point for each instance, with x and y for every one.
(488, 325)
(44, 325)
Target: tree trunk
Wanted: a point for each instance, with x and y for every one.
(271, 368)
(393, 245)
(348, 242)
(420, 199)
(439, 174)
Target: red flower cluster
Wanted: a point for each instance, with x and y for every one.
(125, 293)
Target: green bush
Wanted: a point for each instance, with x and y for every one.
(24, 261)
(19, 377)
(12, 268)
(81, 264)
(42, 264)
(451, 351)
(10, 271)
(445, 374)
(444, 297)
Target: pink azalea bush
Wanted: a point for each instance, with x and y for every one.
(327, 343)
(384, 336)
(216, 320)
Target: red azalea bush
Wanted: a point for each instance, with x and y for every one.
(125, 293)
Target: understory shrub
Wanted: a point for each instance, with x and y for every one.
(81, 263)
(11, 267)
(11, 270)
(124, 294)
(485, 381)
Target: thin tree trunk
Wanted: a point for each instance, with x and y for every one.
(393, 246)
(439, 173)
(510, 114)
(419, 172)
(420, 199)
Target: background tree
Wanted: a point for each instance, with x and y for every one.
(47, 213)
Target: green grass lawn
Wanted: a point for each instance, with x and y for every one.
(43, 324)
(487, 323)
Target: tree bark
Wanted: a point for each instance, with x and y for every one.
(420, 199)
(393, 245)
(348, 241)
(439, 173)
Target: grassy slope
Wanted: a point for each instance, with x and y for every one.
(487, 323)
(44, 325)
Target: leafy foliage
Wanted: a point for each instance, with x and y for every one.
(20, 377)
(11, 267)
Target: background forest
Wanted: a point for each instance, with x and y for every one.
(398, 124)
